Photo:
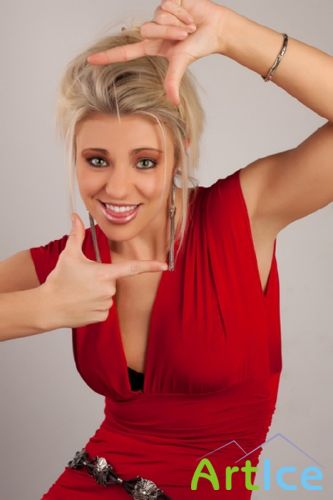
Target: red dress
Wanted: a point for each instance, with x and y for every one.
(212, 366)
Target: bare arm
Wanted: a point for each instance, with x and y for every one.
(17, 272)
(23, 313)
(77, 292)
(24, 303)
(287, 186)
(282, 187)
(305, 72)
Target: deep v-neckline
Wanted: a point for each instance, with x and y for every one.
(146, 363)
(165, 276)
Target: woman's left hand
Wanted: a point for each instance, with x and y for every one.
(169, 35)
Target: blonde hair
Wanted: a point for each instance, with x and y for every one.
(131, 87)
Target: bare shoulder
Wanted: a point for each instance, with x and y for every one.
(248, 182)
(289, 185)
(17, 272)
(263, 230)
(253, 179)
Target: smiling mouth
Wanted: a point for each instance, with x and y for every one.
(119, 213)
(119, 208)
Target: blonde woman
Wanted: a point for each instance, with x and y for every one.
(172, 293)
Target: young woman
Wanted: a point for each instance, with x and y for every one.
(188, 360)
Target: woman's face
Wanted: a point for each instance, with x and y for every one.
(132, 169)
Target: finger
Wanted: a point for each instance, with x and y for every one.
(76, 235)
(178, 11)
(154, 30)
(118, 54)
(133, 267)
(176, 69)
(165, 18)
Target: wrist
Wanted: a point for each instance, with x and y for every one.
(49, 317)
(230, 25)
(249, 43)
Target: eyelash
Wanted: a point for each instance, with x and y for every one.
(141, 159)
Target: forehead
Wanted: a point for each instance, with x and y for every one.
(103, 130)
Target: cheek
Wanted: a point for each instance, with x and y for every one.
(153, 187)
(87, 183)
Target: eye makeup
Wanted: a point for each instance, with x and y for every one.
(89, 159)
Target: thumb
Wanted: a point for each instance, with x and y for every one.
(76, 235)
(176, 69)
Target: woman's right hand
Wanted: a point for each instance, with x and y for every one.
(80, 291)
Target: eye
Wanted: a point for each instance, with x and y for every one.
(89, 160)
(147, 167)
(95, 164)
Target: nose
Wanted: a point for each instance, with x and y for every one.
(118, 183)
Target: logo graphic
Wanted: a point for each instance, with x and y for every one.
(306, 477)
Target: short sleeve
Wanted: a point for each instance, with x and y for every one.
(45, 257)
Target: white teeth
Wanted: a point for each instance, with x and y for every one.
(115, 208)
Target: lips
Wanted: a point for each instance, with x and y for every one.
(119, 216)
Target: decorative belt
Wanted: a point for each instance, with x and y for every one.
(105, 475)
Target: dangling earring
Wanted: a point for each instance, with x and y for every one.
(172, 213)
(94, 238)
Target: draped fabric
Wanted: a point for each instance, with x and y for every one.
(212, 365)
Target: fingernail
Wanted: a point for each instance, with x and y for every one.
(98, 57)
(192, 27)
(164, 267)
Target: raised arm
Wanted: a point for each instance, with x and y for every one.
(289, 185)
(282, 187)
(305, 72)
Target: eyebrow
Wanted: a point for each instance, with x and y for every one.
(136, 150)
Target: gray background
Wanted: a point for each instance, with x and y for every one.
(47, 412)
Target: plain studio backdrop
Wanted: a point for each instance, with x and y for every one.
(47, 411)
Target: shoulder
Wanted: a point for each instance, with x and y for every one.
(45, 256)
(225, 193)
(56, 246)
(239, 188)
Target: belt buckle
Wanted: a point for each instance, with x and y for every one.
(103, 472)
(145, 489)
(79, 461)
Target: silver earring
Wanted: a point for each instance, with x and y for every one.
(172, 213)
(94, 238)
